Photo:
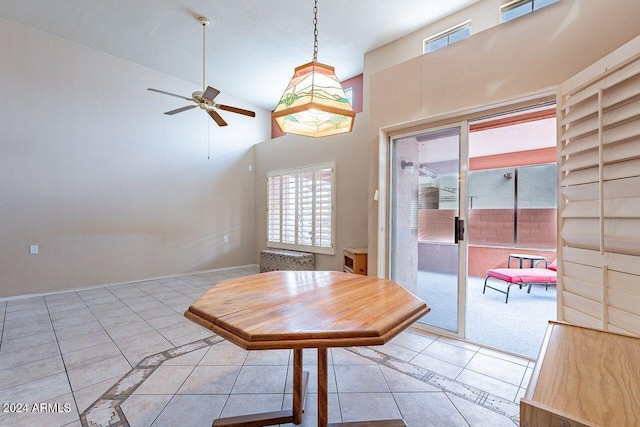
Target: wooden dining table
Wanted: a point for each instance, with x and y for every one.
(305, 309)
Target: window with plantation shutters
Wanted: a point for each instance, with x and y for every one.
(300, 214)
(599, 163)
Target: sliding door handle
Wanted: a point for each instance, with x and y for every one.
(458, 230)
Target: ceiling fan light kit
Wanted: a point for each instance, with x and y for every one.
(314, 103)
(205, 98)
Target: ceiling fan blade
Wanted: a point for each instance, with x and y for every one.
(217, 118)
(180, 110)
(236, 110)
(210, 94)
(170, 94)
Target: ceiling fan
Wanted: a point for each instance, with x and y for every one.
(205, 98)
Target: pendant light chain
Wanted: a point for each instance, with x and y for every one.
(315, 31)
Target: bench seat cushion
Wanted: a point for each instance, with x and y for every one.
(523, 275)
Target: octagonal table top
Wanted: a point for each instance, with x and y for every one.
(306, 309)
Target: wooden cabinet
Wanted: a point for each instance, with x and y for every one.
(583, 377)
(355, 260)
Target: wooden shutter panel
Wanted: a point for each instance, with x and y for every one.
(305, 208)
(599, 203)
(289, 203)
(273, 209)
(323, 233)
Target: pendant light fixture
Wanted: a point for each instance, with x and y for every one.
(314, 103)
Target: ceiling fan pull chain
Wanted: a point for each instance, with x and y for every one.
(315, 31)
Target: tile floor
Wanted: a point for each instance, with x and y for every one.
(125, 355)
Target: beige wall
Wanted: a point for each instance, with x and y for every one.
(516, 59)
(349, 151)
(483, 15)
(109, 188)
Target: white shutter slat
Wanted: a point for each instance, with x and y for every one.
(578, 145)
(583, 160)
(582, 209)
(580, 256)
(581, 110)
(622, 208)
(579, 318)
(625, 302)
(581, 128)
(622, 188)
(622, 85)
(583, 176)
(623, 277)
(584, 273)
(581, 233)
(579, 97)
(624, 320)
(620, 170)
(577, 193)
(619, 152)
(622, 236)
(622, 113)
(590, 308)
(624, 132)
(583, 289)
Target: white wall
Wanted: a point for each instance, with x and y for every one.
(520, 58)
(111, 189)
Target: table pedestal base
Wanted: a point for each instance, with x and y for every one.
(300, 381)
(323, 404)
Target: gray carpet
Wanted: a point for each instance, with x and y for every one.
(518, 326)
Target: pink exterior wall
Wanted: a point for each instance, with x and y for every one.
(537, 228)
(490, 235)
(491, 227)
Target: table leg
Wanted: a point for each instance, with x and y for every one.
(323, 404)
(298, 395)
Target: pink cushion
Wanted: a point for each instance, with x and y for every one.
(554, 265)
(523, 275)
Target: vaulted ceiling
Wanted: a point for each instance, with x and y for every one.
(252, 45)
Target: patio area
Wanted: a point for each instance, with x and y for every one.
(517, 327)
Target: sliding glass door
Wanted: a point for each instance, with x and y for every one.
(426, 227)
(469, 197)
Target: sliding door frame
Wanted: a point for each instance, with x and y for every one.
(386, 170)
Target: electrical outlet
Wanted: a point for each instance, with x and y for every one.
(226, 239)
(33, 249)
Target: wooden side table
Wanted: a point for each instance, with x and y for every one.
(355, 260)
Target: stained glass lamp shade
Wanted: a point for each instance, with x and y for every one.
(314, 103)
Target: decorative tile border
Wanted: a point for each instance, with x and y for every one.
(474, 395)
(107, 412)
